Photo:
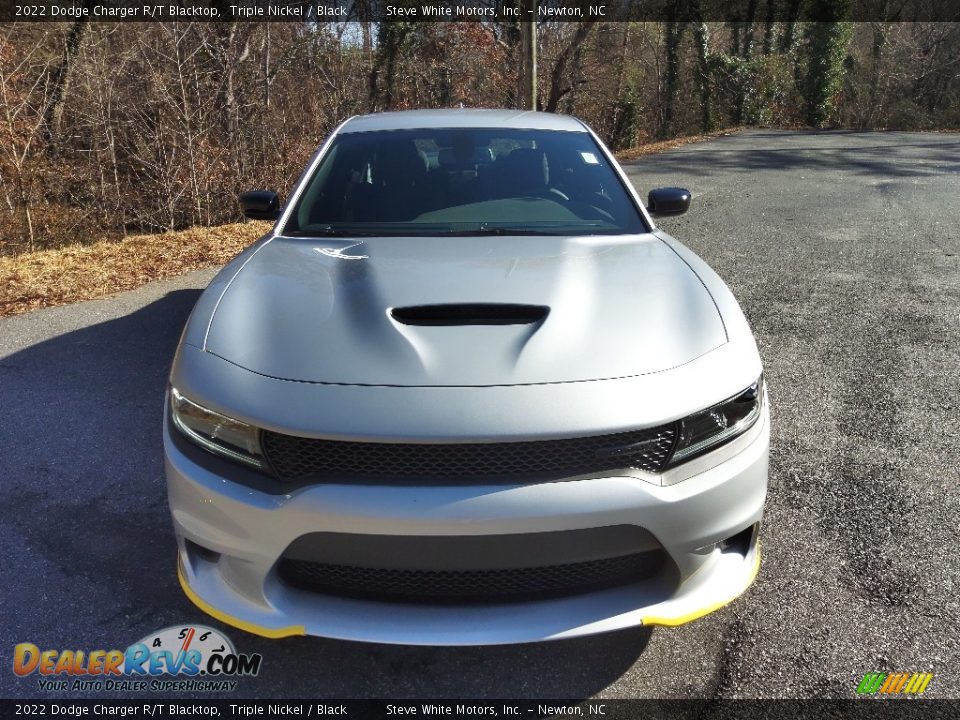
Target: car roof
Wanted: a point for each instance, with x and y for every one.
(462, 118)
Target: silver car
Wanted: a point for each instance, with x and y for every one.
(465, 392)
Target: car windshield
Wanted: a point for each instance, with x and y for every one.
(464, 182)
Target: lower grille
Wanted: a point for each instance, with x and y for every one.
(486, 585)
(294, 458)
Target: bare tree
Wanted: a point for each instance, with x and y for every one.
(673, 35)
(560, 82)
(24, 95)
(61, 77)
(383, 74)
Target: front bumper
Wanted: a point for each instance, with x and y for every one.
(231, 536)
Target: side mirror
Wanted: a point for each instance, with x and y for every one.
(668, 201)
(260, 205)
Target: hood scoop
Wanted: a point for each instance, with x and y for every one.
(470, 314)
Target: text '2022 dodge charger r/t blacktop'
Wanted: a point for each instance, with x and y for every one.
(465, 392)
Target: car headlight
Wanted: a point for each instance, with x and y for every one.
(215, 432)
(721, 423)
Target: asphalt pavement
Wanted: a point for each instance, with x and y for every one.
(844, 251)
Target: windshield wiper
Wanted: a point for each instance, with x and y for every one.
(328, 231)
(485, 229)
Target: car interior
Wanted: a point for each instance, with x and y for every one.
(402, 177)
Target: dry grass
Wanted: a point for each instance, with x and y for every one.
(83, 272)
(658, 147)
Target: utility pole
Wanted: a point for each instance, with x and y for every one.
(528, 56)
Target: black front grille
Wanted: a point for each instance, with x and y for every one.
(294, 458)
(487, 585)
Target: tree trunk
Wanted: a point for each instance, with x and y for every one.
(622, 70)
(876, 57)
(390, 37)
(701, 39)
(557, 86)
(748, 30)
(747, 54)
(768, 27)
(790, 27)
(827, 50)
(674, 34)
(53, 113)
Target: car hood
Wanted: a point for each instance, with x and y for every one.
(585, 308)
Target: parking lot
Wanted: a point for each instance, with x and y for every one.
(844, 251)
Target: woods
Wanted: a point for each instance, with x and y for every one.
(109, 129)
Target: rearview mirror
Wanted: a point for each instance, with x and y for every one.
(668, 201)
(260, 205)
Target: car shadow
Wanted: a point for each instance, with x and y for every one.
(86, 519)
